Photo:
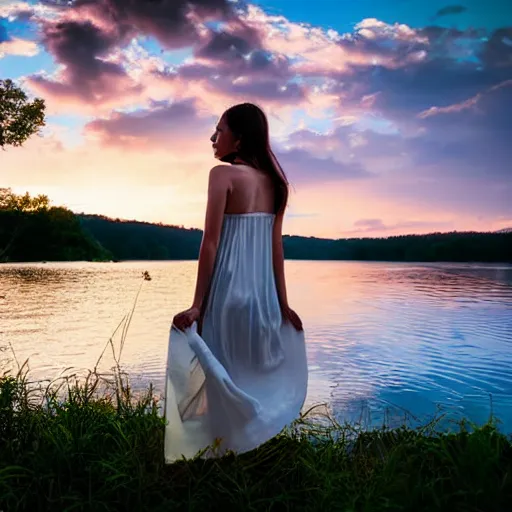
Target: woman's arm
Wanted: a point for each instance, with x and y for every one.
(278, 260)
(218, 188)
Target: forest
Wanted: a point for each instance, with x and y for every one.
(132, 240)
(33, 230)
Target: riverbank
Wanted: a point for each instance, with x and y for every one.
(92, 445)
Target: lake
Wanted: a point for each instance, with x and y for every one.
(385, 341)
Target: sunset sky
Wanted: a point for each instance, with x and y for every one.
(389, 116)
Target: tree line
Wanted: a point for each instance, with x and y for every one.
(33, 230)
(145, 241)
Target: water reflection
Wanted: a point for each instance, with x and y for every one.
(383, 338)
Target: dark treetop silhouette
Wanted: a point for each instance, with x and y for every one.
(32, 230)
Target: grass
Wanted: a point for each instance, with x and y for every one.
(103, 451)
(92, 444)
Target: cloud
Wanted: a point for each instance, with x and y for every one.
(450, 157)
(302, 167)
(460, 136)
(17, 10)
(234, 56)
(301, 215)
(228, 82)
(497, 52)
(437, 67)
(450, 9)
(270, 90)
(175, 126)
(451, 139)
(318, 52)
(379, 226)
(92, 41)
(179, 126)
(445, 113)
(247, 54)
(390, 69)
(82, 48)
(86, 38)
(374, 154)
(235, 42)
(19, 47)
(173, 22)
(15, 45)
(233, 61)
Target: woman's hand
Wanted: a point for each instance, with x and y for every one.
(290, 316)
(186, 318)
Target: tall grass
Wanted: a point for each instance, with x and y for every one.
(91, 444)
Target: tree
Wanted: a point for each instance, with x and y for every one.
(19, 117)
(15, 206)
(25, 203)
(31, 229)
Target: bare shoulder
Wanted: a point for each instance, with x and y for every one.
(220, 170)
(220, 175)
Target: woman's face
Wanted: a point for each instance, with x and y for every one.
(224, 141)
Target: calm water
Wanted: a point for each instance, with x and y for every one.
(383, 338)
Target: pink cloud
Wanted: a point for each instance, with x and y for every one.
(175, 126)
(20, 47)
(25, 10)
(252, 56)
(470, 103)
(86, 41)
(327, 51)
(369, 227)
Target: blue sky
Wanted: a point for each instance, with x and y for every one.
(342, 15)
(389, 116)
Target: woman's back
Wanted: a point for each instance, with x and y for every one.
(251, 190)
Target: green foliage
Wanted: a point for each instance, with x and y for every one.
(19, 117)
(32, 230)
(25, 203)
(88, 447)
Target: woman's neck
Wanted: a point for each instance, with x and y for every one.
(233, 158)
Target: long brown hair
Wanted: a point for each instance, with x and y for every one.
(250, 125)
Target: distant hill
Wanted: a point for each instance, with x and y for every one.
(504, 230)
(134, 240)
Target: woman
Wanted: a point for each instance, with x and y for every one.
(237, 369)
